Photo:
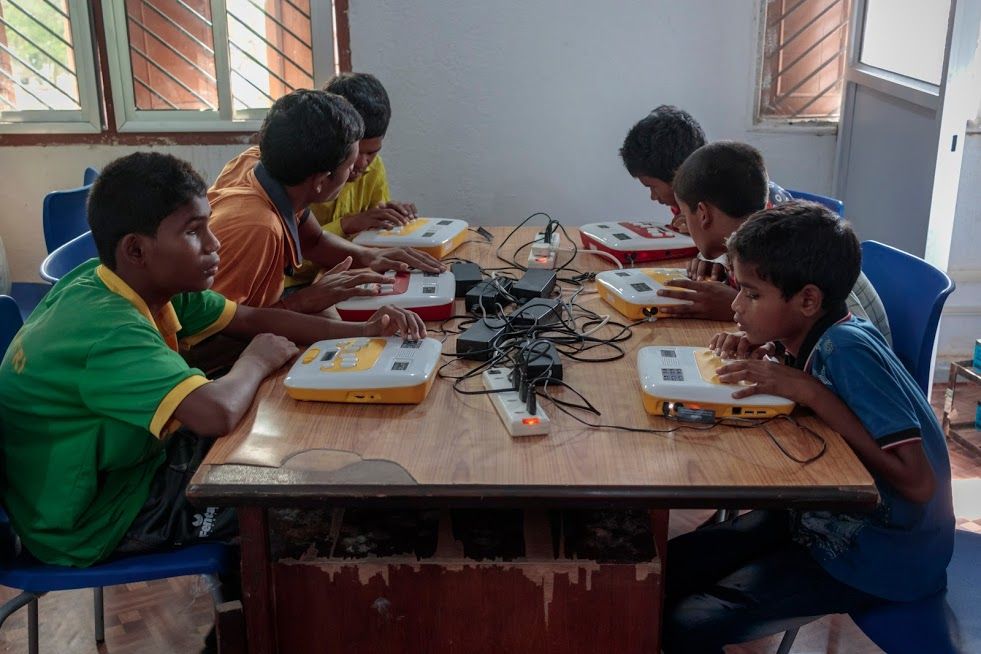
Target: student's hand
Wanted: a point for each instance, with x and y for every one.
(333, 286)
(401, 259)
(390, 320)
(407, 209)
(701, 270)
(771, 378)
(680, 224)
(735, 345)
(384, 216)
(269, 352)
(709, 300)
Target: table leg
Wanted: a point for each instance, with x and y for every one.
(257, 589)
(659, 527)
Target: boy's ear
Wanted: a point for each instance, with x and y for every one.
(809, 300)
(132, 249)
(705, 214)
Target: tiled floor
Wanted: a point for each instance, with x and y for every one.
(172, 616)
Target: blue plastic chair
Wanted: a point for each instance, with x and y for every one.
(946, 623)
(89, 176)
(67, 257)
(36, 579)
(64, 216)
(10, 321)
(831, 203)
(19, 570)
(913, 293)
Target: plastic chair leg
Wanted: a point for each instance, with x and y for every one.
(32, 627)
(214, 585)
(13, 605)
(788, 640)
(100, 618)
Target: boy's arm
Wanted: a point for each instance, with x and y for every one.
(384, 215)
(903, 466)
(709, 300)
(305, 329)
(327, 250)
(215, 408)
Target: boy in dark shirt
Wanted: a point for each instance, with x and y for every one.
(767, 571)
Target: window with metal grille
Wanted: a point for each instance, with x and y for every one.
(173, 65)
(47, 72)
(212, 64)
(803, 65)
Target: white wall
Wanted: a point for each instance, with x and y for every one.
(504, 108)
(960, 324)
(30, 172)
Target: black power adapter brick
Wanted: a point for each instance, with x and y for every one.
(488, 294)
(467, 275)
(537, 282)
(542, 363)
(477, 342)
(537, 312)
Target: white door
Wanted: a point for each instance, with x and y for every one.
(911, 85)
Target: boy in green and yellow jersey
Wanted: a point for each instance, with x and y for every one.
(98, 408)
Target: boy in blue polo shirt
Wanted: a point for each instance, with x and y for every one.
(767, 571)
(103, 420)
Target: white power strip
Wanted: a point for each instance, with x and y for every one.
(514, 413)
(542, 254)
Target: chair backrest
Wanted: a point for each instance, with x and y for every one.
(831, 203)
(10, 321)
(89, 176)
(67, 257)
(64, 216)
(913, 293)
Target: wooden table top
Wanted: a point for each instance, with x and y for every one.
(453, 449)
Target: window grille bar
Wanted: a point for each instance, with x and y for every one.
(139, 80)
(39, 74)
(784, 15)
(39, 23)
(250, 83)
(168, 74)
(297, 9)
(793, 37)
(195, 12)
(779, 98)
(26, 90)
(271, 45)
(207, 48)
(56, 8)
(259, 63)
(823, 92)
(174, 50)
(279, 23)
(44, 52)
(821, 40)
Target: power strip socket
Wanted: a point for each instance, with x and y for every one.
(514, 413)
(544, 254)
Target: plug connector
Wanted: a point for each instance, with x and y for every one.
(544, 252)
(514, 412)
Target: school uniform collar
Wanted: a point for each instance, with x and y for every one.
(836, 315)
(284, 207)
(165, 322)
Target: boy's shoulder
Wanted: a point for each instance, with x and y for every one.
(849, 334)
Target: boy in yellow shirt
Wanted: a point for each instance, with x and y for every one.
(365, 201)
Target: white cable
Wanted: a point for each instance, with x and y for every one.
(599, 253)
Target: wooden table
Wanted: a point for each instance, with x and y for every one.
(452, 450)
